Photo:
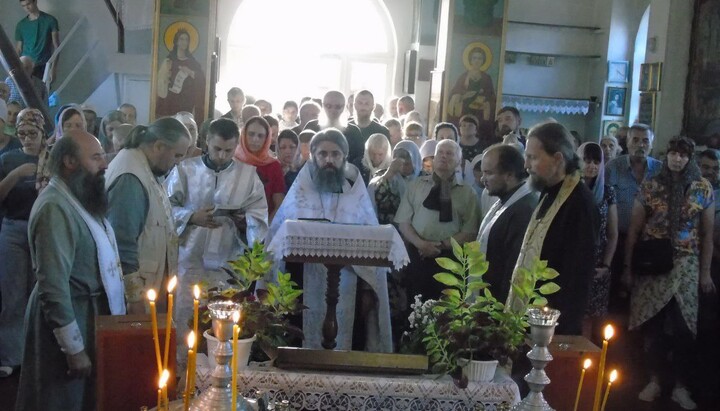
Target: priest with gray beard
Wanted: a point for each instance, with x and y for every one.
(76, 262)
(330, 188)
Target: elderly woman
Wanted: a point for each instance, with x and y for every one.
(254, 149)
(377, 156)
(387, 188)
(674, 210)
(593, 170)
(188, 121)
(18, 169)
(610, 147)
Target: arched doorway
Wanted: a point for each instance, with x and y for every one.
(285, 49)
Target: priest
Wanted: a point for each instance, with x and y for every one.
(77, 265)
(329, 187)
(564, 226)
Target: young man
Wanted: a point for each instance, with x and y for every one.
(508, 121)
(333, 106)
(37, 36)
(129, 113)
(364, 105)
(236, 100)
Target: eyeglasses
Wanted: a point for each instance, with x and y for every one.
(27, 134)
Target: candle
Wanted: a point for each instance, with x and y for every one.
(190, 370)
(196, 305)
(609, 332)
(151, 295)
(168, 324)
(236, 333)
(586, 365)
(162, 390)
(611, 380)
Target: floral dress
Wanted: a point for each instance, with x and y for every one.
(651, 293)
(387, 202)
(600, 286)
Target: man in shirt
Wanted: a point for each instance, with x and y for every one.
(364, 105)
(37, 36)
(329, 187)
(563, 229)
(333, 107)
(508, 121)
(219, 209)
(625, 173)
(309, 111)
(129, 113)
(236, 100)
(77, 266)
(433, 209)
(503, 228)
(140, 210)
(405, 104)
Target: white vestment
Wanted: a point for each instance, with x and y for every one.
(352, 206)
(193, 186)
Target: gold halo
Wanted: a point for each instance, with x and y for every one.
(484, 48)
(173, 28)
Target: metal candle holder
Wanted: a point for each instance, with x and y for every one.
(542, 328)
(219, 396)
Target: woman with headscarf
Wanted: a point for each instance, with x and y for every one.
(593, 170)
(676, 210)
(386, 189)
(254, 149)
(111, 120)
(377, 156)
(70, 118)
(18, 192)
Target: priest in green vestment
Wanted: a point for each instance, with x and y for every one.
(76, 262)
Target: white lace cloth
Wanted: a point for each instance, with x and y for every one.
(314, 390)
(322, 239)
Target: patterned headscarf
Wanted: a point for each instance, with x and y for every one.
(32, 117)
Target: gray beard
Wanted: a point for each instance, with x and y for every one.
(328, 180)
(90, 191)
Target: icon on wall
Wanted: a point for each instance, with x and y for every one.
(618, 71)
(615, 101)
(610, 127)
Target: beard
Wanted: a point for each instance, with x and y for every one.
(537, 183)
(89, 189)
(505, 130)
(329, 179)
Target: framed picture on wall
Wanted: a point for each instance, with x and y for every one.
(645, 76)
(655, 77)
(646, 112)
(618, 71)
(610, 127)
(615, 101)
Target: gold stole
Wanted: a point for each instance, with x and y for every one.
(536, 232)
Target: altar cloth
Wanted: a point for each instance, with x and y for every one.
(314, 390)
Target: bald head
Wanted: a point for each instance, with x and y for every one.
(333, 104)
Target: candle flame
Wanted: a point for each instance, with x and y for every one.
(172, 283)
(613, 375)
(191, 340)
(609, 332)
(196, 292)
(587, 363)
(236, 316)
(151, 295)
(164, 379)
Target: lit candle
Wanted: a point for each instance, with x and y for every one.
(236, 333)
(586, 365)
(168, 324)
(162, 390)
(196, 310)
(609, 332)
(611, 380)
(190, 369)
(151, 295)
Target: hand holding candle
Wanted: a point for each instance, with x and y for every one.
(611, 380)
(586, 364)
(151, 295)
(236, 333)
(609, 332)
(168, 324)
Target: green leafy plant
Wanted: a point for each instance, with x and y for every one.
(470, 323)
(265, 312)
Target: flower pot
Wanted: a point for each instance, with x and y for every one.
(244, 347)
(480, 371)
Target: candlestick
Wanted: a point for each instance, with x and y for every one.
(162, 390)
(609, 332)
(613, 377)
(151, 295)
(190, 370)
(586, 365)
(233, 384)
(168, 324)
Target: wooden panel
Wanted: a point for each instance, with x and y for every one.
(350, 361)
(126, 367)
(569, 352)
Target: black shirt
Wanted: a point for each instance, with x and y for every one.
(371, 129)
(353, 136)
(20, 199)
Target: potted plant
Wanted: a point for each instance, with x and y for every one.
(470, 324)
(265, 312)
